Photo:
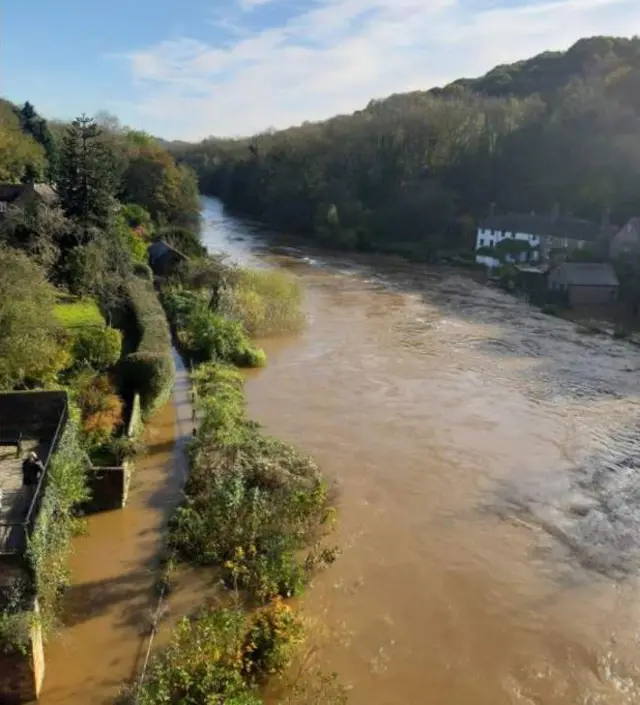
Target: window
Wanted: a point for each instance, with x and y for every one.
(3, 206)
(481, 241)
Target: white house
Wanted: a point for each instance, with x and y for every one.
(490, 237)
(543, 233)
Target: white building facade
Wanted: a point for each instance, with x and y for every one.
(488, 238)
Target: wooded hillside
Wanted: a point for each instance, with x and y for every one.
(414, 171)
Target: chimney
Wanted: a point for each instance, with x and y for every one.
(555, 212)
(492, 209)
(606, 218)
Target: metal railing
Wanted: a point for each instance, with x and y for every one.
(17, 533)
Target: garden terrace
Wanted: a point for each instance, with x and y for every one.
(38, 419)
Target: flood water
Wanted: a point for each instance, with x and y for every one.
(109, 606)
(488, 462)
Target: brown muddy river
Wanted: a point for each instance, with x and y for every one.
(488, 461)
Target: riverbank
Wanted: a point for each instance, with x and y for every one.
(114, 567)
(421, 391)
(255, 511)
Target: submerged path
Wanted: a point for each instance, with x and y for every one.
(108, 609)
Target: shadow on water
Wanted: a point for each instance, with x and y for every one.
(108, 607)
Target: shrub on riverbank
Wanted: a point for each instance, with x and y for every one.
(222, 655)
(149, 370)
(204, 335)
(266, 302)
(255, 508)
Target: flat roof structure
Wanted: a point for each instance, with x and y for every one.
(29, 421)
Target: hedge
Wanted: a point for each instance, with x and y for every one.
(150, 369)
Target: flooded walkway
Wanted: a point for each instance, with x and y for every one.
(108, 609)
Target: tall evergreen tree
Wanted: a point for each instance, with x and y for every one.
(36, 126)
(86, 178)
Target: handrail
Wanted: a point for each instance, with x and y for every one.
(25, 524)
(52, 447)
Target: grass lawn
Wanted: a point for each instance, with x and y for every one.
(77, 313)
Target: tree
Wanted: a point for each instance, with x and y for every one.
(416, 171)
(36, 126)
(37, 229)
(87, 179)
(153, 180)
(32, 351)
(20, 155)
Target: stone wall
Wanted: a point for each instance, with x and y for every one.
(109, 488)
(21, 675)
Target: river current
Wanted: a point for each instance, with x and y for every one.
(489, 467)
(488, 464)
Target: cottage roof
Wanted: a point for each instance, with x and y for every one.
(589, 274)
(10, 192)
(541, 225)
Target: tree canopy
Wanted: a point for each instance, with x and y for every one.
(418, 169)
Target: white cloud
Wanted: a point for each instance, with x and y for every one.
(336, 55)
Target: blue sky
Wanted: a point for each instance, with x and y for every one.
(192, 68)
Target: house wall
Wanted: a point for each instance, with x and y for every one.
(592, 295)
(556, 280)
(21, 675)
(490, 238)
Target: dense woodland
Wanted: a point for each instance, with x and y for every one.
(415, 171)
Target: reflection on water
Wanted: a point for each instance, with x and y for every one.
(488, 459)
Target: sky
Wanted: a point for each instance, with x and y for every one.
(188, 69)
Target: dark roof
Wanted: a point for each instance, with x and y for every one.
(589, 274)
(534, 224)
(9, 192)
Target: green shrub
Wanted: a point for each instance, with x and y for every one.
(16, 602)
(255, 508)
(132, 239)
(204, 335)
(79, 313)
(57, 523)
(221, 655)
(550, 309)
(183, 240)
(138, 219)
(208, 336)
(266, 302)
(98, 347)
(150, 370)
